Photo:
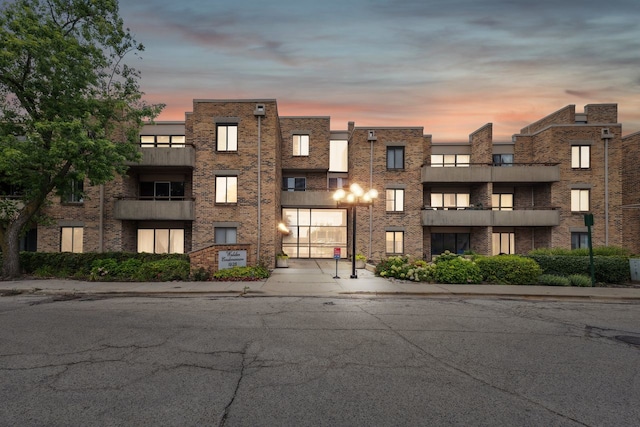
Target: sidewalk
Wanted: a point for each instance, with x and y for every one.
(306, 278)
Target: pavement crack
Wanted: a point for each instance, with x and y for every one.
(245, 363)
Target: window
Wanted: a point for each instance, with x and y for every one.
(394, 242)
(448, 201)
(314, 233)
(227, 235)
(395, 157)
(395, 200)
(338, 156)
(161, 240)
(335, 183)
(449, 160)
(579, 240)
(227, 137)
(456, 243)
(503, 160)
(226, 189)
(503, 243)
(171, 141)
(294, 184)
(300, 145)
(71, 239)
(162, 190)
(502, 202)
(77, 192)
(581, 156)
(579, 200)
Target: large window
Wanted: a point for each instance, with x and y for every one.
(162, 141)
(227, 137)
(503, 160)
(394, 242)
(395, 157)
(300, 145)
(71, 239)
(450, 160)
(395, 200)
(502, 202)
(228, 235)
(579, 240)
(503, 243)
(447, 201)
(162, 190)
(581, 156)
(161, 240)
(456, 243)
(294, 184)
(226, 189)
(314, 233)
(579, 200)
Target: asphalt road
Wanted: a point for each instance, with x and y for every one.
(317, 361)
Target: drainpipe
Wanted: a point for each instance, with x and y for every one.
(259, 113)
(606, 136)
(372, 138)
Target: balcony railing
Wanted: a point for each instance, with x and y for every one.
(310, 198)
(165, 155)
(133, 209)
(475, 217)
(488, 172)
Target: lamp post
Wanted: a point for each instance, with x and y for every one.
(354, 197)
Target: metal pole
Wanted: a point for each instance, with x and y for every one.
(353, 243)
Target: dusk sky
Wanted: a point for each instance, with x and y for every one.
(450, 66)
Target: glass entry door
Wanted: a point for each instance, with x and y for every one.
(314, 232)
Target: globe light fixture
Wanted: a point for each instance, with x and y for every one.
(356, 196)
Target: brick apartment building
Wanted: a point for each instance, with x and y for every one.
(235, 169)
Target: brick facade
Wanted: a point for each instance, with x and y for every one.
(265, 154)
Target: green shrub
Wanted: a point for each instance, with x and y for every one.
(579, 280)
(553, 280)
(241, 273)
(509, 269)
(200, 275)
(387, 264)
(457, 270)
(445, 256)
(597, 251)
(104, 269)
(127, 269)
(608, 269)
(401, 268)
(163, 270)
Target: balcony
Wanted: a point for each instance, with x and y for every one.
(540, 217)
(308, 199)
(181, 156)
(177, 210)
(488, 173)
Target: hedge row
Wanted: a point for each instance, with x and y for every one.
(79, 265)
(607, 269)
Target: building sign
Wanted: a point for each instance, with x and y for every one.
(228, 259)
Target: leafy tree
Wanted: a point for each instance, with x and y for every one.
(70, 109)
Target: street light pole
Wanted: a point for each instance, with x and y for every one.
(354, 275)
(356, 196)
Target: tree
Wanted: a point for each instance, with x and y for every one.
(70, 109)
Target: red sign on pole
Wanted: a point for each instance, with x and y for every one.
(336, 253)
